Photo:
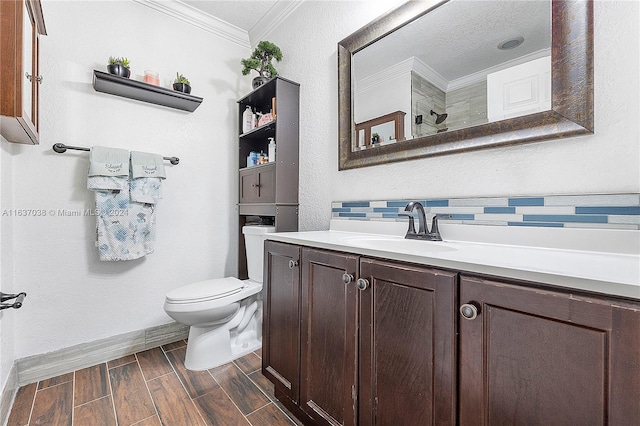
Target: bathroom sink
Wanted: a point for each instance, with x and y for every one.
(398, 244)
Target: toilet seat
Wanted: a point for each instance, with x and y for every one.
(203, 291)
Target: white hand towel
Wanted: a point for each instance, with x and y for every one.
(147, 165)
(108, 162)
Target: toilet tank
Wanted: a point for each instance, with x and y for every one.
(254, 236)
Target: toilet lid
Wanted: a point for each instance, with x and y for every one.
(205, 290)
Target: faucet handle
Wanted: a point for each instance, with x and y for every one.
(435, 232)
(412, 228)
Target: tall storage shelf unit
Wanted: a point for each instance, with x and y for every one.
(270, 190)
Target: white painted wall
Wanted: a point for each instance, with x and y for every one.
(606, 162)
(7, 317)
(72, 296)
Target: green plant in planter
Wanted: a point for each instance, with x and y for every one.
(119, 66)
(375, 138)
(118, 61)
(181, 84)
(182, 79)
(260, 61)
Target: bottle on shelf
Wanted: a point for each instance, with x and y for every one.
(247, 120)
(272, 150)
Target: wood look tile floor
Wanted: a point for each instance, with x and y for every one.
(153, 388)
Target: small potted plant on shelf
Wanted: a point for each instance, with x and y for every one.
(375, 138)
(119, 66)
(260, 61)
(182, 84)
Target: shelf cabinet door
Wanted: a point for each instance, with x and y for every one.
(540, 357)
(21, 25)
(281, 325)
(329, 353)
(258, 185)
(407, 341)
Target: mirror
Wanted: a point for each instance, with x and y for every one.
(434, 66)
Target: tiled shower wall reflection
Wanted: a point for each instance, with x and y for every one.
(620, 211)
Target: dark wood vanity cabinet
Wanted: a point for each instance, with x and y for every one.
(407, 367)
(351, 340)
(329, 350)
(541, 357)
(281, 319)
(376, 355)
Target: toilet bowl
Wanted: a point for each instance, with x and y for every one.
(224, 314)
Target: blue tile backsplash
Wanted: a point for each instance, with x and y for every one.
(611, 211)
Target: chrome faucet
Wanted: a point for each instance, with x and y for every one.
(423, 232)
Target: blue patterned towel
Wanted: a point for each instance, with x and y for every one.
(147, 170)
(126, 229)
(126, 207)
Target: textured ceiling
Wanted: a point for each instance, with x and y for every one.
(461, 37)
(243, 14)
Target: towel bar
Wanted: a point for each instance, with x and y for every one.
(60, 148)
(15, 305)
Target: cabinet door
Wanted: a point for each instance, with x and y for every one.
(22, 22)
(258, 185)
(407, 340)
(281, 325)
(540, 357)
(328, 388)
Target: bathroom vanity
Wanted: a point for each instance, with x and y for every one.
(364, 329)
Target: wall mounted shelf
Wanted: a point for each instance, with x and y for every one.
(133, 89)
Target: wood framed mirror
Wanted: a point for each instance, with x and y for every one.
(569, 112)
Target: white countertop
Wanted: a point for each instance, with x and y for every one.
(614, 272)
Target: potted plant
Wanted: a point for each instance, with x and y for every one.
(260, 61)
(119, 66)
(181, 84)
(375, 138)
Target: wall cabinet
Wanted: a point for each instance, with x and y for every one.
(21, 24)
(353, 340)
(269, 190)
(258, 184)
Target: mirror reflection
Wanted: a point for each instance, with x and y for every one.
(465, 63)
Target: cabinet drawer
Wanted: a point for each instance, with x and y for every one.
(258, 185)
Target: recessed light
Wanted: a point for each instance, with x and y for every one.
(511, 43)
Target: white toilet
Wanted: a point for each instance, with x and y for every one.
(225, 314)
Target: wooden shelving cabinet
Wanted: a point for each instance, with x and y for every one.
(21, 25)
(269, 190)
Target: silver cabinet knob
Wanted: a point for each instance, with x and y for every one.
(469, 311)
(362, 284)
(293, 264)
(347, 278)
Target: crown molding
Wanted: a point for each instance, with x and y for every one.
(402, 68)
(195, 17)
(272, 19)
(482, 75)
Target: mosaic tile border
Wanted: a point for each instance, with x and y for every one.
(610, 211)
